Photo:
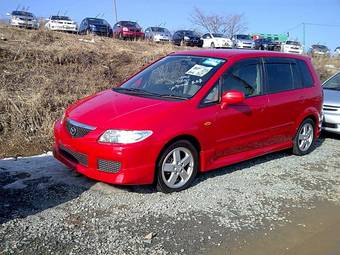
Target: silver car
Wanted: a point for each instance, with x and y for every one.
(157, 34)
(331, 106)
(23, 19)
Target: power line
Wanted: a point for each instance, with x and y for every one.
(115, 6)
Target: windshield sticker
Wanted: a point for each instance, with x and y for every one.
(212, 61)
(199, 70)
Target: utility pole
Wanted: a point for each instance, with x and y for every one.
(304, 35)
(115, 6)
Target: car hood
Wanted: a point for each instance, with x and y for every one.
(110, 109)
(331, 97)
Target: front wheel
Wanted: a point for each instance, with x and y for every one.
(304, 141)
(177, 167)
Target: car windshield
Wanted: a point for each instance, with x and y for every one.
(293, 43)
(129, 24)
(178, 77)
(218, 35)
(22, 13)
(60, 18)
(191, 33)
(159, 30)
(243, 37)
(333, 83)
(320, 47)
(94, 21)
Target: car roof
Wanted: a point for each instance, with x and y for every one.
(227, 53)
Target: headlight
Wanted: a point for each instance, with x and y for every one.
(124, 136)
(186, 38)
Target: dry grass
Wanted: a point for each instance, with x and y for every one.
(41, 73)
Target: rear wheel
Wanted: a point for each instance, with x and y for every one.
(304, 141)
(212, 45)
(177, 167)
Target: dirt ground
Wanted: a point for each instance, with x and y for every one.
(276, 204)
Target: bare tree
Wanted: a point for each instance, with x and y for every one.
(229, 25)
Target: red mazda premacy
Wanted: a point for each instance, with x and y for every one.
(191, 112)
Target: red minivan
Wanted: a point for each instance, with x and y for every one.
(190, 112)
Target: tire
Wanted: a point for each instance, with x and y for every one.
(304, 140)
(175, 176)
(212, 45)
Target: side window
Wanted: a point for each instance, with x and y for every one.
(244, 76)
(213, 95)
(279, 75)
(307, 78)
(205, 36)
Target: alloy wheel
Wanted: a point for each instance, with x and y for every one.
(177, 167)
(306, 136)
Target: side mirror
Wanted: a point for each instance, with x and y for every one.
(232, 97)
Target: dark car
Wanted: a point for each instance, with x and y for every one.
(319, 50)
(265, 44)
(127, 29)
(187, 38)
(95, 26)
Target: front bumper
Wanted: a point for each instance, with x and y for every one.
(132, 165)
(64, 28)
(331, 122)
(244, 46)
(131, 34)
(26, 24)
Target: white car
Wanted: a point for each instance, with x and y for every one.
(61, 23)
(23, 19)
(292, 47)
(213, 40)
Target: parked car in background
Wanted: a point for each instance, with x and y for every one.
(95, 26)
(23, 19)
(266, 44)
(61, 23)
(242, 42)
(337, 52)
(157, 34)
(292, 47)
(192, 111)
(331, 105)
(319, 50)
(127, 29)
(214, 40)
(187, 38)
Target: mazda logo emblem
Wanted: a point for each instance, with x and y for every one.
(73, 131)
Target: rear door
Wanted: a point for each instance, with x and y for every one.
(241, 127)
(285, 99)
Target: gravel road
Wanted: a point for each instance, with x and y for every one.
(46, 208)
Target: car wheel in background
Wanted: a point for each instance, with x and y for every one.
(304, 141)
(177, 167)
(212, 45)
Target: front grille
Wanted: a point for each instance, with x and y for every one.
(108, 166)
(331, 108)
(74, 156)
(77, 130)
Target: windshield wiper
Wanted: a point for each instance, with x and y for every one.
(173, 96)
(136, 91)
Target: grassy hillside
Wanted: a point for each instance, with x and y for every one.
(41, 73)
